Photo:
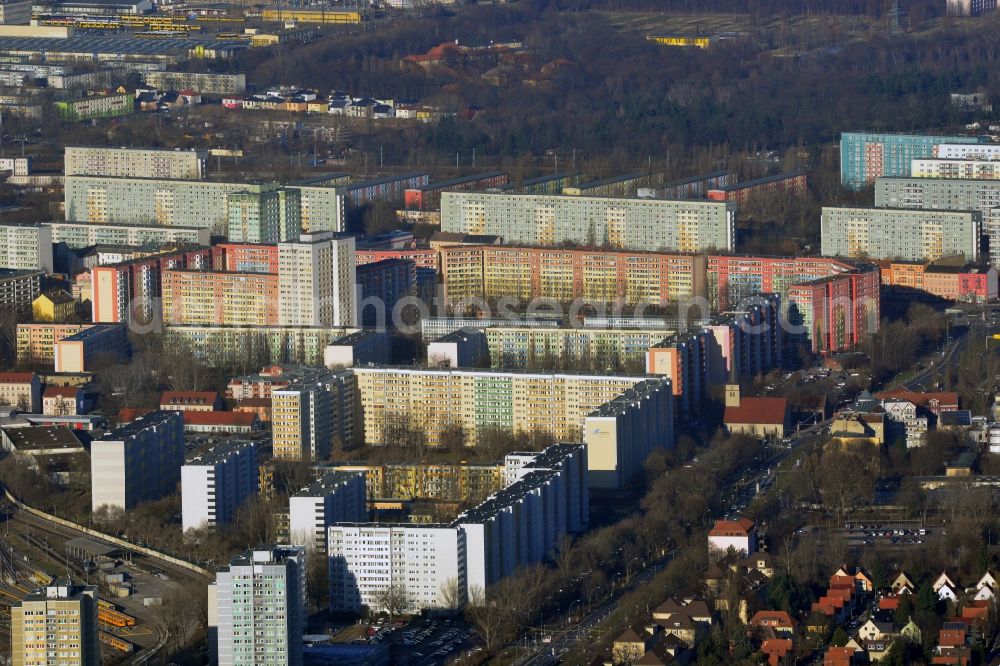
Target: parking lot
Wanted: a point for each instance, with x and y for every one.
(428, 641)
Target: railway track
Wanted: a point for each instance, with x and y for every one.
(50, 539)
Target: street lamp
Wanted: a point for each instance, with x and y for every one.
(569, 614)
(591, 596)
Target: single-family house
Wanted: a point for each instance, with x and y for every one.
(780, 622)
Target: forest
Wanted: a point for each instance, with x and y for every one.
(585, 84)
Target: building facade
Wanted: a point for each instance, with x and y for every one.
(84, 234)
(790, 183)
(968, 169)
(336, 497)
(204, 82)
(138, 462)
(215, 483)
(26, 247)
(631, 224)
(316, 278)
(864, 156)
(310, 415)
(889, 233)
(21, 390)
(259, 604)
(436, 401)
(138, 201)
(525, 273)
(620, 434)
(428, 197)
(132, 291)
(18, 289)
(423, 560)
(264, 213)
(135, 162)
(382, 285)
(836, 313)
(218, 298)
(569, 348)
(56, 624)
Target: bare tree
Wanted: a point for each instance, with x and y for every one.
(452, 594)
(392, 599)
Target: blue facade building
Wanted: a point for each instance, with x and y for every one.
(864, 156)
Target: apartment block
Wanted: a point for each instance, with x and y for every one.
(131, 291)
(204, 82)
(21, 390)
(546, 497)
(386, 188)
(245, 257)
(970, 7)
(630, 224)
(890, 233)
(26, 247)
(682, 357)
(464, 348)
(746, 343)
(135, 162)
(85, 234)
(965, 151)
(435, 400)
(264, 213)
(789, 183)
(429, 196)
(382, 285)
(167, 202)
(970, 284)
(56, 624)
(449, 482)
(570, 347)
(216, 482)
(967, 169)
(80, 351)
(735, 280)
(836, 313)
(218, 298)
(957, 194)
(365, 346)
(308, 416)
(258, 604)
(138, 462)
(18, 289)
(259, 345)
(523, 523)
(620, 434)
(525, 273)
(322, 206)
(337, 497)
(424, 560)
(434, 328)
(36, 340)
(864, 156)
(96, 107)
(316, 281)
(692, 187)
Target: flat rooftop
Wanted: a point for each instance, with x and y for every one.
(328, 482)
(219, 452)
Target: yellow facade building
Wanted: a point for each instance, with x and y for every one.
(56, 625)
(435, 401)
(53, 306)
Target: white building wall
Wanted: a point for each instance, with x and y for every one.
(368, 558)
